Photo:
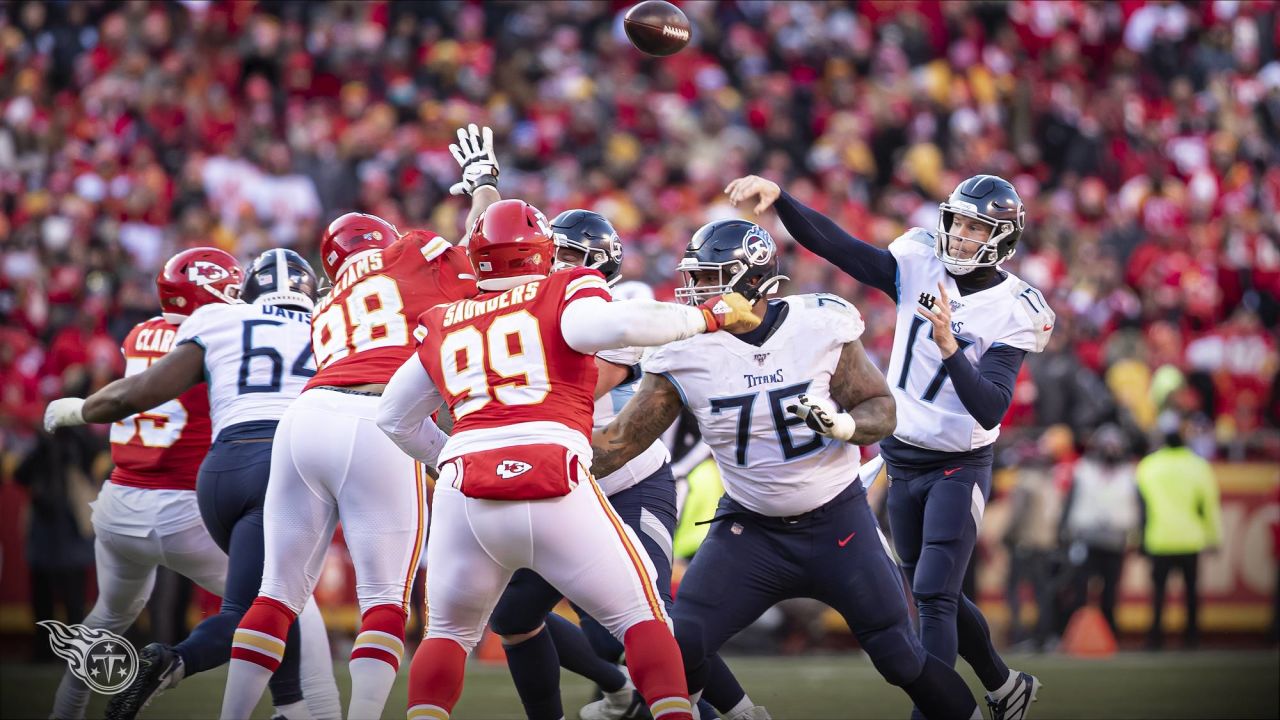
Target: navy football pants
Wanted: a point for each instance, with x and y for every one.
(230, 490)
(833, 554)
(935, 515)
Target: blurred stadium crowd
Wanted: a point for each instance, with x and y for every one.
(1144, 138)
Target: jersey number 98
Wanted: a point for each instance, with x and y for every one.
(371, 317)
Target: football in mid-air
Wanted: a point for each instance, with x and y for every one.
(657, 27)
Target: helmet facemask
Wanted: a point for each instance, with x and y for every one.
(592, 258)
(988, 253)
(734, 276)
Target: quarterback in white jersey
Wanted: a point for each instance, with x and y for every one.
(964, 327)
(255, 358)
(783, 408)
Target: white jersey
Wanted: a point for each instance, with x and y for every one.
(930, 414)
(770, 461)
(607, 408)
(257, 358)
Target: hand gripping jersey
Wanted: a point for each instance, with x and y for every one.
(159, 449)
(770, 461)
(257, 358)
(362, 332)
(502, 365)
(607, 408)
(930, 415)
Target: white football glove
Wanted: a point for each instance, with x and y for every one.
(474, 153)
(64, 412)
(823, 419)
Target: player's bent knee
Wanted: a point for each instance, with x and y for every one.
(689, 637)
(510, 619)
(896, 653)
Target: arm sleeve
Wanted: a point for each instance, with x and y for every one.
(816, 232)
(405, 412)
(591, 324)
(987, 390)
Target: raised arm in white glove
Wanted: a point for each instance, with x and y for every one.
(474, 153)
(823, 418)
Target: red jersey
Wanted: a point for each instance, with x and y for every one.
(160, 449)
(362, 332)
(500, 358)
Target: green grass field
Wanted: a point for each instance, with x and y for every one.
(1181, 685)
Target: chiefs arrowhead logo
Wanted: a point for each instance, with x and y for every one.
(203, 272)
(508, 469)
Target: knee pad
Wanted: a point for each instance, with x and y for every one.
(514, 619)
(896, 652)
(939, 571)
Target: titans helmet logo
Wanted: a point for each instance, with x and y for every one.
(758, 246)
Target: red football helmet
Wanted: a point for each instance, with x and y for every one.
(350, 234)
(511, 239)
(197, 277)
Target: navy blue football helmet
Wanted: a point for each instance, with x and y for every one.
(992, 201)
(280, 277)
(742, 253)
(591, 234)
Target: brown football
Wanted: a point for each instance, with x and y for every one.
(657, 27)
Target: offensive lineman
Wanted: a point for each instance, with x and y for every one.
(783, 408)
(257, 357)
(333, 464)
(515, 366)
(955, 359)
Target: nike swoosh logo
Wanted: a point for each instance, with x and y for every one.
(951, 472)
(846, 540)
(1047, 328)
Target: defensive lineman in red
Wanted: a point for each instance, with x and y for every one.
(331, 463)
(515, 365)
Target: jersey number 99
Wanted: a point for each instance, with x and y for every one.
(511, 349)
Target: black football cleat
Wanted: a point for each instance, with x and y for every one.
(159, 668)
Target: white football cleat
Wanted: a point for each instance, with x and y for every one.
(1015, 703)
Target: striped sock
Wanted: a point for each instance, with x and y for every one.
(256, 651)
(671, 708)
(657, 670)
(375, 660)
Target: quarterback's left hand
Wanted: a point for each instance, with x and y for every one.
(824, 419)
(474, 153)
(63, 412)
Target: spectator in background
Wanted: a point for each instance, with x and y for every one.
(59, 537)
(1035, 557)
(1180, 520)
(1101, 514)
